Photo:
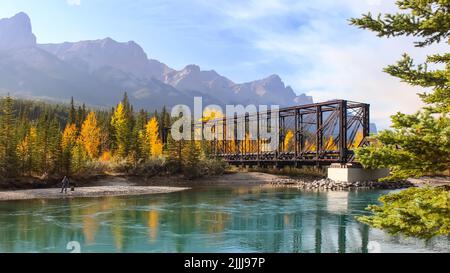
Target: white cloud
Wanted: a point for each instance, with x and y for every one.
(256, 9)
(344, 62)
(74, 2)
(350, 71)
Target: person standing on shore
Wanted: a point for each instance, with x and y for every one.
(65, 184)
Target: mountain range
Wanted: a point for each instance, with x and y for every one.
(99, 71)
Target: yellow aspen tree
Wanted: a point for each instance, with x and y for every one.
(264, 146)
(358, 139)
(330, 144)
(90, 136)
(288, 140)
(69, 136)
(310, 146)
(154, 142)
(157, 148)
(249, 144)
(210, 115)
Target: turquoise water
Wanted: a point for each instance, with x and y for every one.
(238, 219)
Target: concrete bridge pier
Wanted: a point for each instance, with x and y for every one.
(353, 173)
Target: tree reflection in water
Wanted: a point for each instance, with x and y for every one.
(235, 219)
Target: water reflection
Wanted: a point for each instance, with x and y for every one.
(240, 219)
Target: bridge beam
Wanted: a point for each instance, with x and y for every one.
(343, 152)
(319, 131)
(366, 120)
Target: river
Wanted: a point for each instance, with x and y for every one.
(213, 219)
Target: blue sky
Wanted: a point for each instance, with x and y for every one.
(308, 43)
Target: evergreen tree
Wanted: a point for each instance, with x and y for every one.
(79, 158)
(80, 118)
(164, 124)
(8, 140)
(23, 154)
(126, 103)
(121, 124)
(42, 143)
(139, 135)
(190, 159)
(417, 144)
(68, 142)
(48, 150)
(415, 212)
(54, 147)
(83, 113)
(72, 113)
(174, 155)
(111, 131)
(128, 110)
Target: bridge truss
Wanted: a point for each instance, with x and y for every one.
(312, 134)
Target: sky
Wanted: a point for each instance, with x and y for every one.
(310, 44)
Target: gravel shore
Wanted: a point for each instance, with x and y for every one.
(55, 193)
(123, 185)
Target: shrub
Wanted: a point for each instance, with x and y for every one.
(151, 167)
(415, 212)
(119, 165)
(213, 167)
(106, 156)
(95, 168)
(173, 167)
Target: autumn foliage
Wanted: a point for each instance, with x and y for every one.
(90, 136)
(47, 139)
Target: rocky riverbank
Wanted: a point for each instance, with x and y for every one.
(134, 185)
(327, 184)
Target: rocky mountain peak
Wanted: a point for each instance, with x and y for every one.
(98, 71)
(192, 68)
(16, 32)
(93, 55)
(273, 77)
(272, 80)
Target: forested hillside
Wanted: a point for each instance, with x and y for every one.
(42, 139)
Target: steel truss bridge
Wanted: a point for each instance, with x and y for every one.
(312, 134)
